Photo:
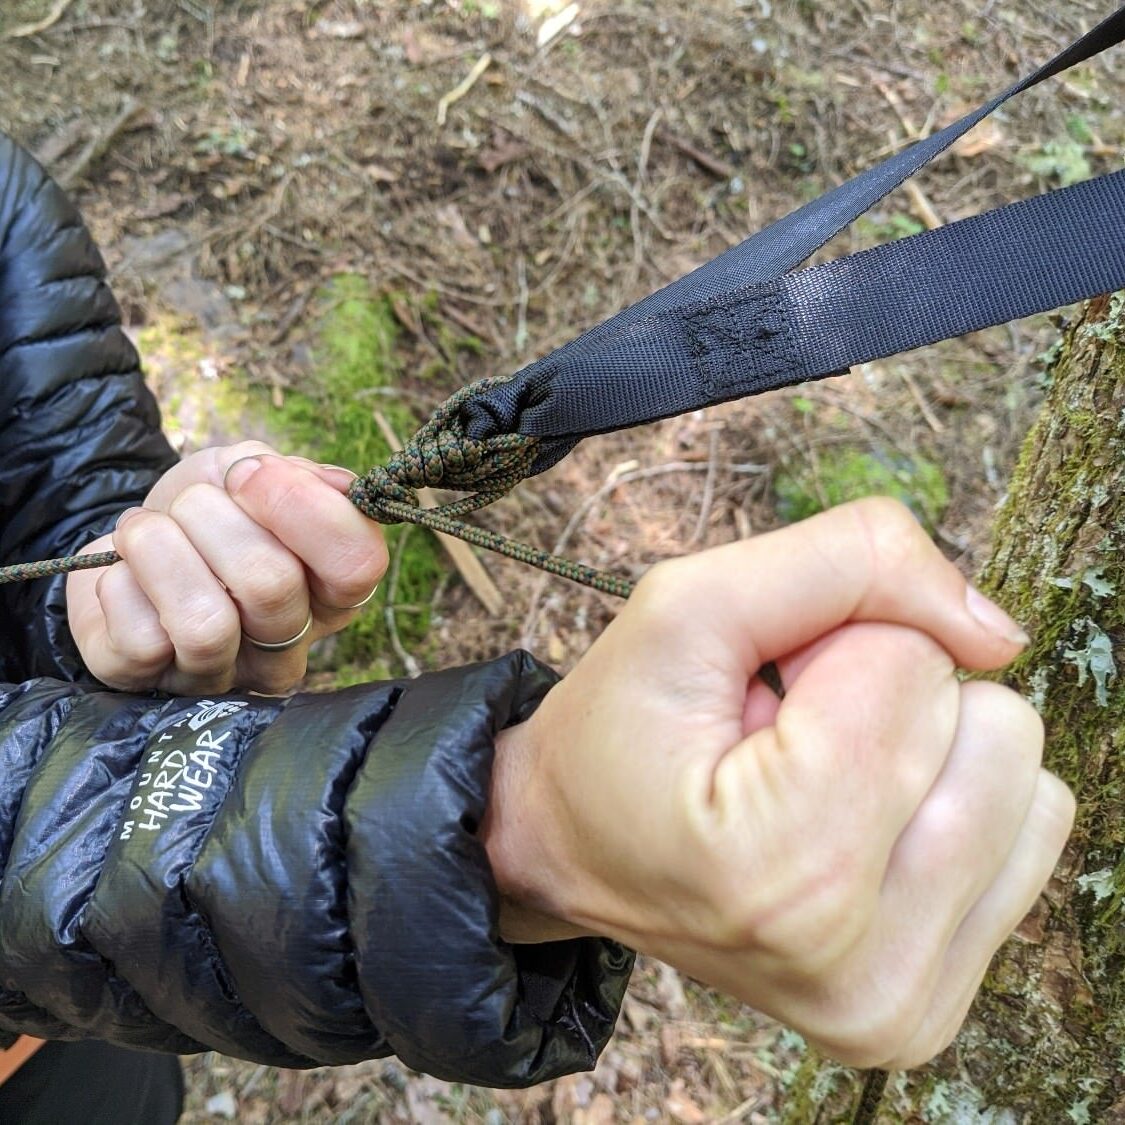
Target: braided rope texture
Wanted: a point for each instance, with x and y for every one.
(442, 455)
(25, 572)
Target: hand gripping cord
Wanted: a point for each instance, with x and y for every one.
(440, 455)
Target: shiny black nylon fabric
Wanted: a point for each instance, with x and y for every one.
(293, 881)
(307, 854)
(80, 436)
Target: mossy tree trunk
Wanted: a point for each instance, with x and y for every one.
(1046, 1038)
(1045, 1042)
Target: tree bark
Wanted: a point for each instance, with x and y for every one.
(1045, 1042)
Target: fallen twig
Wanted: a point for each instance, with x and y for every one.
(463, 87)
(932, 420)
(638, 185)
(48, 21)
(99, 144)
(921, 206)
(713, 164)
(460, 553)
(521, 308)
(480, 331)
(708, 489)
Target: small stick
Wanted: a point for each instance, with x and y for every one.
(97, 146)
(708, 489)
(521, 309)
(481, 331)
(932, 420)
(922, 207)
(49, 20)
(463, 87)
(713, 164)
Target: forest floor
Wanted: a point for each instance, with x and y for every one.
(302, 238)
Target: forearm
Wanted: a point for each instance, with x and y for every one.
(295, 881)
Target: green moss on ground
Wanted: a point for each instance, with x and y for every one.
(331, 419)
(844, 474)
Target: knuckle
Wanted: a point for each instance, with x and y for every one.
(281, 681)
(738, 923)
(195, 684)
(924, 1050)
(357, 569)
(141, 532)
(146, 652)
(833, 922)
(1016, 727)
(872, 1028)
(949, 825)
(912, 656)
(1059, 806)
(240, 449)
(893, 534)
(272, 585)
(886, 515)
(191, 501)
(811, 918)
(921, 650)
(204, 636)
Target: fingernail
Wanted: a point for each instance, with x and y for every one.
(993, 618)
(340, 469)
(339, 477)
(240, 472)
(128, 514)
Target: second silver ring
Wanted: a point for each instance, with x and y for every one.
(280, 646)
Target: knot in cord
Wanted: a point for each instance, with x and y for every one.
(442, 455)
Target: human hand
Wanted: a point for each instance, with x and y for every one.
(848, 859)
(234, 542)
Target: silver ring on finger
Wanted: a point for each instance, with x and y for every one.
(360, 605)
(280, 646)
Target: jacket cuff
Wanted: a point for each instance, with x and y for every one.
(450, 996)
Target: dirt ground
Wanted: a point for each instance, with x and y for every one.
(233, 156)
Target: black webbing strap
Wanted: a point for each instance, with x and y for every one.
(742, 324)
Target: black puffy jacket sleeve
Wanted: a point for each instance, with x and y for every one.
(296, 881)
(80, 438)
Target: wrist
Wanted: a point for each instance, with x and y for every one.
(521, 842)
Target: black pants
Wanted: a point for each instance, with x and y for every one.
(92, 1083)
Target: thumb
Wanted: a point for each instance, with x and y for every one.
(762, 598)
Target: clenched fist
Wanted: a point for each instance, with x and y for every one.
(238, 560)
(847, 859)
